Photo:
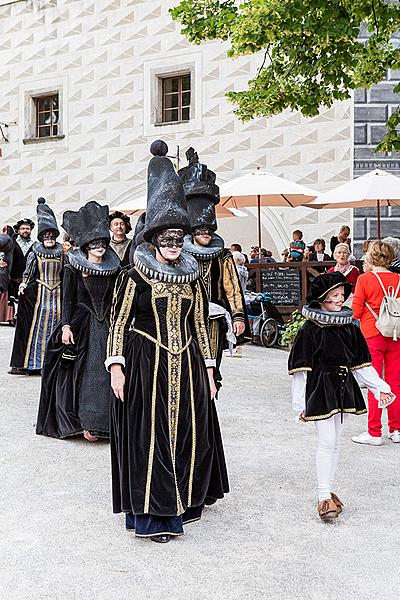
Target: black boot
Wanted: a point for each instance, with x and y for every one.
(160, 539)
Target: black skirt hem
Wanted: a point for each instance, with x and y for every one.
(336, 411)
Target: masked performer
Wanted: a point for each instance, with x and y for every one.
(161, 371)
(217, 267)
(120, 225)
(39, 309)
(6, 250)
(329, 358)
(75, 395)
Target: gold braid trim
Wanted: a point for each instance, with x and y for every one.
(115, 344)
(367, 364)
(299, 369)
(193, 457)
(200, 325)
(335, 412)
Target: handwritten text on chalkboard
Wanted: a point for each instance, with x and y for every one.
(283, 285)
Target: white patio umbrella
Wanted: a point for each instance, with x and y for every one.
(263, 189)
(374, 189)
(137, 206)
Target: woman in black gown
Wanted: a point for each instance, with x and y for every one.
(162, 373)
(75, 394)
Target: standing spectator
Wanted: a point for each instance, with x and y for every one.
(238, 248)
(254, 254)
(342, 238)
(385, 351)
(243, 273)
(265, 256)
(297, 247)
(6, 308)
(342, 255)
(395, 243)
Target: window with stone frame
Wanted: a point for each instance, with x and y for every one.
(176, 98)
(47, 115)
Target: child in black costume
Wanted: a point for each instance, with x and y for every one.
(328, 360)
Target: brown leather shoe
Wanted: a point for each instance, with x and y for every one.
(327, 510)
(338, 502)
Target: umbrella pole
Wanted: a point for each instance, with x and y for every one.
(378, 207)
(259, 220)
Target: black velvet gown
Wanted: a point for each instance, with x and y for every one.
(75, 394)
(166, 449)
(329, 354)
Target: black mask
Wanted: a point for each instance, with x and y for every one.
(202, 231)
(169, 238)
(97, 244)
(49, 235)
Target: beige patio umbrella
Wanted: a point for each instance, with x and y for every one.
(374, 189)
(137, 206)
(263, 189)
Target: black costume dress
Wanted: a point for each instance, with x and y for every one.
(39, 307)
(166, 461)
(329, 347)
(75, 394)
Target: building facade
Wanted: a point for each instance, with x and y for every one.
(86, 85)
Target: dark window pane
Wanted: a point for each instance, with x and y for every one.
(171, 85)
(185, 114)
(55, 129)
(44, 118)
(186, 99)
(55, 103)
(44, 104)
(186, 82)
(171, 115)
(171, 101)
(55, 117)
(44, 131)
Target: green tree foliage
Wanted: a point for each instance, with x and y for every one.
(313, 54)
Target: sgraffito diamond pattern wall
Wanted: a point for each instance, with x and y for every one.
(99, 52)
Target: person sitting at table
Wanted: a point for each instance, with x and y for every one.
(318, 253)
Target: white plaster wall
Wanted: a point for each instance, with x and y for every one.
(103, 54)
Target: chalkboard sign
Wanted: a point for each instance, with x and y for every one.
(282, 285)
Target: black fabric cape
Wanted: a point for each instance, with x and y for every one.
(166, 447)
(322, 351)
(62, 412)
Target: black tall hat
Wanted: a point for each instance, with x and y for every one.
(23, 222)
(6, 243)
(166, 202)
(46, 219)
(202, 193)
(119, 215)
(89, 223)
(325, 283)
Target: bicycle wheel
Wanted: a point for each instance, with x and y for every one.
(269, 333)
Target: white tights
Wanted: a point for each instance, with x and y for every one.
(329, 432)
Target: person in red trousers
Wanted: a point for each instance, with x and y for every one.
(385, 351)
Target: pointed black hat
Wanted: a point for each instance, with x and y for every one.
(89, 223)
(166, 202)
(46, 219)
(202, 194)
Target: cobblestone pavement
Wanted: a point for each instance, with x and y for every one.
(59, 539)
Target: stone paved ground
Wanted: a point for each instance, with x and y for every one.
(60, 541)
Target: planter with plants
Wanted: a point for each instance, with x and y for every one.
(292, 328)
